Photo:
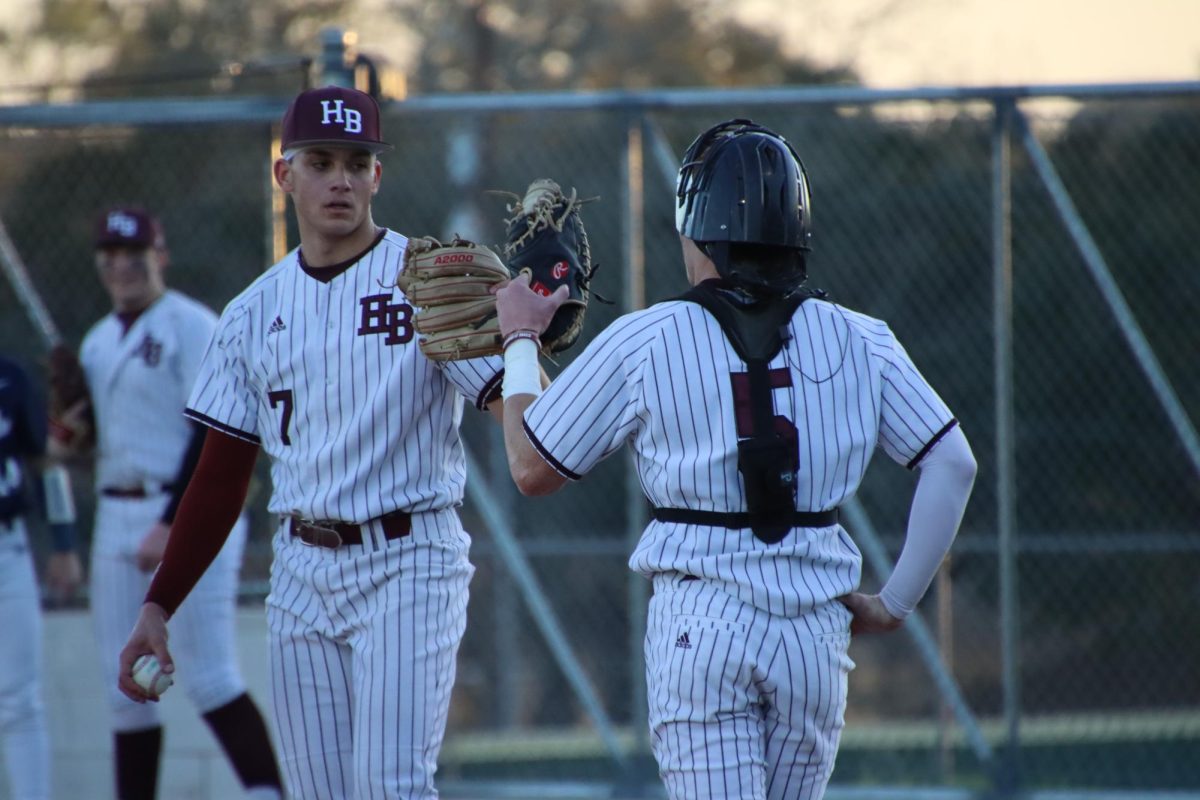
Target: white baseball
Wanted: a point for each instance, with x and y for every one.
(148, 674)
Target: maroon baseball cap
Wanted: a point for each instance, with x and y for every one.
(333, 115)
(128, 227)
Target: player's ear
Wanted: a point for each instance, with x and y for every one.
(283, 174)
(378, 176)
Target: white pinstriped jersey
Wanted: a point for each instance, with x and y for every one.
(139, 381)
(327, 377)
(667, 381)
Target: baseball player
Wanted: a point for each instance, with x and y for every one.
(316, 364)
(140, 362)
(753, 406)
(22, 713)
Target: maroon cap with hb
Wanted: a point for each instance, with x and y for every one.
(128, 227)
(333, 115)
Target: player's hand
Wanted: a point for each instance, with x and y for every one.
(64, 573)
(150, 552)
(149, 635)
(520, 308)
(870, 614)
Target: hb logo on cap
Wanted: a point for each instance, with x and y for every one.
(128, 226)
(335, 111)
(122, 224)
(334, 116)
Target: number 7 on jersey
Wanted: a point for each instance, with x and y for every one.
(283, 397)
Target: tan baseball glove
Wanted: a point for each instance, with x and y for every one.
(450, 285)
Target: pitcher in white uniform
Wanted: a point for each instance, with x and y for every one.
(317, 365)
(141, 361)
(753, 406)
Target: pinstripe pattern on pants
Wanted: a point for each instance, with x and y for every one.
(363, 643)
(202, 628)
(23, 733)
(743, 703)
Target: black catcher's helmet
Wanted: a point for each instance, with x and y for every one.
(742, 195)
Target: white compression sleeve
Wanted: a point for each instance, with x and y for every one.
(60, 501)
(947, 473)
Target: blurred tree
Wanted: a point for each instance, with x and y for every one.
(560, 44)
(176, 47)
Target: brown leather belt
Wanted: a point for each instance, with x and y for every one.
(333, 534)
(135, 492)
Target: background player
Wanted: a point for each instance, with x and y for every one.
(141, 361)
(753, 406)
(316, 363)
(22, 713)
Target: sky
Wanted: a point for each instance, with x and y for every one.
(908, 43)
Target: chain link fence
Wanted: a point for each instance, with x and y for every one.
(1103, 685)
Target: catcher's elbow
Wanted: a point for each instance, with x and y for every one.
(530, 486)
(534, 478)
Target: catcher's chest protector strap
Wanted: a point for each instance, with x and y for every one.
(767, 461)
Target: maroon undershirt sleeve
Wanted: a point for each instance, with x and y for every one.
(208, 511)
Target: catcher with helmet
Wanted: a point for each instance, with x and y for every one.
(753, 405)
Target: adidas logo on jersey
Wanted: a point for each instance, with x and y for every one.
(276, 326)
(684, 641)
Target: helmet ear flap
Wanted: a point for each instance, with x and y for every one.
(758, 269)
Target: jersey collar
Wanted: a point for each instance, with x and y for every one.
(326, 274)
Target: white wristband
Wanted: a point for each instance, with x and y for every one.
(522, 374)
(60, 502)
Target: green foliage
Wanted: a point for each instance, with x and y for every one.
(176, 47)
(526, 45)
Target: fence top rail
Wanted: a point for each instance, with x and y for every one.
(179, 110)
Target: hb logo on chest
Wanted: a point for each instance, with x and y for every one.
(335, 111)
(379, 315)
(149, 351)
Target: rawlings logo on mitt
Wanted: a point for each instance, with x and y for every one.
(546, 238)
(451, 284)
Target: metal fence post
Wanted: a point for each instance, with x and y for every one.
(337, 58)
(635, 274)
(1008, 777)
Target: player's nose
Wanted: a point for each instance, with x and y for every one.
(342, 179)
(121, 264)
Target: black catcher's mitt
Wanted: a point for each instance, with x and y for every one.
(546, 238)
